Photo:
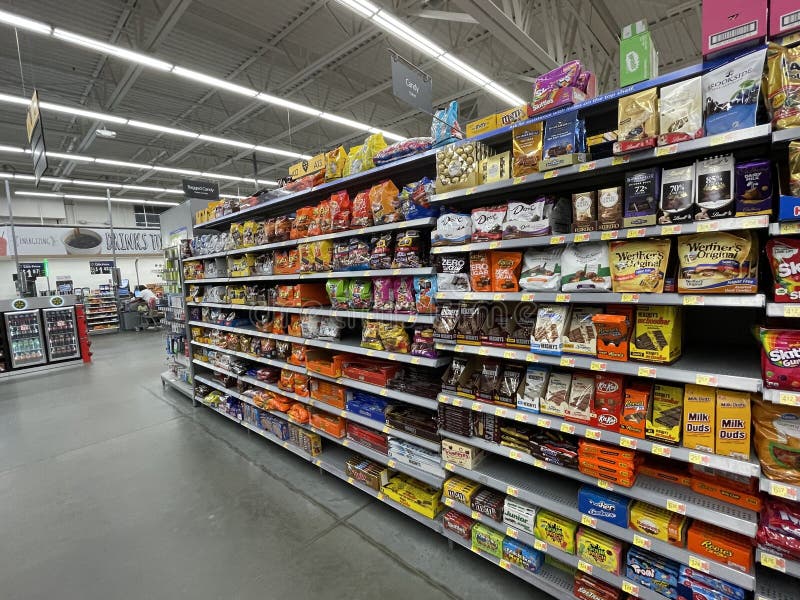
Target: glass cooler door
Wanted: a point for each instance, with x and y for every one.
(62, 336)
(25, 342)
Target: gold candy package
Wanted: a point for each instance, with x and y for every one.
(335, 161)
(794, 168)
(637, 120)
(777, 440)
(527, 148)
(639, 265)
(718, 262)
(783, 85)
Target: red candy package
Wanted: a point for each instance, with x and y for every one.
(340, 210)
(784, 261)
(780, 358)
(362, 210)
(779, 528)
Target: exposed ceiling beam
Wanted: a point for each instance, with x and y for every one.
(504, 29)
(444, 15)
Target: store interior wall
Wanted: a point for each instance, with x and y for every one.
(54, 211)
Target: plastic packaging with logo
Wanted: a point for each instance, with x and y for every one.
(730, 93)
(681, 111)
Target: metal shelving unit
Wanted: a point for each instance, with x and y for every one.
(774, 562)
(322, 275)
(778, 309)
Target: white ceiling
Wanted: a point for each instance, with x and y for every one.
(316, 52)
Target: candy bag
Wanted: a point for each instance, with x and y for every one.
(330, 328)
(383, 294)
(358, 259)
(324, 217)
(425, 291)
(334, 163)
(415, 200)
(394, 337)
(360, 294)
(408, 250)
(404, 295)
(444, 127)
(381, 255)
(337, 292)
(423, 344)
(370, 336)
(362, 210)
(341, 255)
(384, 202)
(340, 210)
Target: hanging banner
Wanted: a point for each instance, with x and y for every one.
(35, 129)
(411, 85)
(202, 190)
(74, 241)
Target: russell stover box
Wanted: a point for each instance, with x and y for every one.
(564, 142)
(641, 197)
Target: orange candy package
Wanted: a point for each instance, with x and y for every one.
(362, 210)
(506, 268)
(385, 203)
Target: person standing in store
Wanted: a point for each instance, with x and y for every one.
(146, 295)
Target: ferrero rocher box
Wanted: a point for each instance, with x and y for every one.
(458, 165)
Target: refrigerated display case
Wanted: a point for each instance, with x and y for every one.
(4, 366)
(61, 333)
(25, 338)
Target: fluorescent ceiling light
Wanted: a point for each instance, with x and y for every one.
(121, 163)
(65, 156)
(79, 112)
(192, 172)
(16, 100)
(218, 140)
(344, 121)
(391, 24)
(23, 23)
(214, 81)
(162, 129)
(284, 152)
(392, 137)
(40, 194)
(14, 149)
(130, 55)
(95, 198)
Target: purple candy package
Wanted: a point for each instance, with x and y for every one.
(753, 188)
(383, 295)
(564, 76)
(423, 344)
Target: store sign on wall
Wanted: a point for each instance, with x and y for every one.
(411, 85)
(83, 241)
(100, 267)
(32, 270)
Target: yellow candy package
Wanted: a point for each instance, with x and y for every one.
(335, 161)
(359, 159)
(783, 85)
(370, 335)
(393, 337)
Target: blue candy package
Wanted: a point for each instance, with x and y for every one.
(606, 506)
(444, 126)
(425, 288)
(522, 555)
(731, 92)
(415, 200)
(563, 135)
(733, 591)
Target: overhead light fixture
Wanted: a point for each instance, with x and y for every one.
(144, 166)
(106, 133)
(162, 129)
(95, 198)
(361, 6)
(101, 184)
(391, 24)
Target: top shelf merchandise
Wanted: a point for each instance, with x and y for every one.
(579, 315)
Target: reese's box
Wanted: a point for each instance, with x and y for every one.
(665, 414)
(656, 334)
(733, 424)
(699, 403)
(638, 396)
(720, 545)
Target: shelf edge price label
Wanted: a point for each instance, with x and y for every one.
(567, 428)
(722, 138)
(449, 466)
(788, 399)
(589, 166)
(449, 502)
(477, 406)
(511, 532)
(391, 464)
(609, 235)
(696, 458)
(550, 174)
(440, 295)
(593, 434)
(782, 491)
(557, 239)
(629, 298)
(694, 300)
(647, 372)
(415, 360)
(585, 567)
(627, 442)
(676, 507)
(391, 356)
(666, 150)
(483, 352)
(641, 541)
(504, 564)
(606, 485)
(476, 515)
(791, 311)
(512, 491)
(519, 179)
(597, 365)
(509, 354)
(670, 229)
(787, 228)
(469, 296)
(773, 562)
(458, 402)
(562, 297)
(527, 297)
(514, 454)
(540, 545)
(636, 233)
(522, 418)
(630, 588)
(500, 412)
(698, 564)
(540, 464)
(580, 237)
(494, 245)
(620, 160)
(707, 226)
(705, 379)
(588, 521)
(542, 422)
(497, 297)
(531, 357)
(384, 392)
(567, 361)
(660, 450)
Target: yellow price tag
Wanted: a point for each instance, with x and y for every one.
(476, 515)
(788, 228)
(597, 365)
(789, 399)
(509, 354)
(500, 412)
(791, 311)
(449, 466)
(676, 507)
(647, 372)
(370, 352)
(567, 428)
(494, 245)
(531, 357)
(511, 532)
(391, 356)
(550, 174)
(593, 434)
(698, 564)
(589, 166)
(620, 160)
(415, 360)
(671, 229)
(567, 361)
(588, 521)
(380, 496)
(386, 429)
(606, 485)
(540, 545)
(696, 458)
(527, 297)
(459, 348)
(470, 191)
(504, 564)
(350, 480)
(514, 454)
(609, 235)
(449, 502)
(557, 239)
(627, 442)
(705, 379)
(660, 450)
(707, 226)
(477, 406)
(483, 351)
(497, 297)
(440, 295)
(384, 392)
(585, 567)
(627, 298)
(636, 233)
(562, 297)
(723, 138)
(694, 300)
(521, 417)
(345, 443)
(391, 464)
(782, 491)
(773, 562)
(519, 179)
(512, 491)
(666, 150)
(580, 237)
(642, 542)
(457, 402)
(542, 422)
(630, 588)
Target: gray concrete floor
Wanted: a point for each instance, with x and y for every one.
(111, 487)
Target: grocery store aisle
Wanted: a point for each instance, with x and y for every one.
(111, 487)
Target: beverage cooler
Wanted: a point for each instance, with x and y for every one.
(36, 332)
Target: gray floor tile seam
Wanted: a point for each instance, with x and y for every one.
(113, 438)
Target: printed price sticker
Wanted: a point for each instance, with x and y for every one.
(397, 271)
(585, 567)
(773, 562)
(391, 356)
(449, 466)
(317, 462)
(550, 174)
(476, 515)
(494, 245)
(509, 354)
(671, 229)
(542, 422)
(588, 521)
(328, 345)
(707, 226)
(698, 564)
(791, 311)
(346, 443)
(512, 491)
(386, 429)
(384, 392)
(620, 160)
(661, 450)
(567, 361)
(483, 351)
(589, 166)
(676, 507)
(557, 239)
(757, 221)
(567, 428)
(597, 365)
(285, 444)
(609, 235)
(539, 463)
(593, 434)
(449, 502)
(505, 564)
(666, 150)
(380, 496)
(415, 360)
(470, 191)
(531, 357)
(789, 399)
(694, 300)
(350, 480)
(782, 491)
(527, 297)
(514, 454)
(562, 297)
(705, 379)
(497, 297)
(606, 485)
(370, 352)
(627, 442)
(540, 545)
(342, 413)
(500, 412)
(511, 532)
(521, 417)
(469, 296)
(696, 458)
(477, 406)
(787, 228)
(627, 298)
(630, 588)
(641, 541)
(457, 402)
(723, 138)
(636, 233)
(518, 179)
(391, 464)
(647, 372)
(581, 237)
(440, 295)
(459, 348)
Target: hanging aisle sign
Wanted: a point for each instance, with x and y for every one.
(32, 270)
(201, 190)
(35, 129)
(100, 267)
(412, 85)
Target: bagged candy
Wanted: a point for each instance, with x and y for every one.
(383, 294)
(415, 200)
(370, 336)
(777, 440)
(452, 229)
(341, 255)
(360, 294)
(408, 250)
(783, 86)
(398, 150)
(283, 228)
(314, 226)
(294, 327)
(784, 261)
(780, 358)
(309, 326)
(381, 254)
(324, 217)
(730, 93)
(340, 209)
(423, 344)
(425, 291)
(505, 270)
(330, 328)
(362, 210)
(452, 272)
(487, 223)
(358, 259)
(541, 269)
(480, 273)
(337, 292)
(323, 255)
(302, 220)
(384, 202)
(394, 337)
(794, 168)
(404, 295)
(444, 127)
(335, 161)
